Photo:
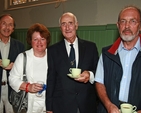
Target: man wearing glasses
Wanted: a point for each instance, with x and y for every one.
(118, 75)
(9, 48)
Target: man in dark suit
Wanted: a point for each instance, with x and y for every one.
(9, 48)
(65, 94)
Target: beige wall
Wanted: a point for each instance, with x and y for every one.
(88, 12)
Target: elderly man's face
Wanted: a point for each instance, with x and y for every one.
(68, 27)
(129, 24)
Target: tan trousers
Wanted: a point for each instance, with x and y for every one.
(4, 103)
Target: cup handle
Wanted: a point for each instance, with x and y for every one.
(134, 108)
(70, 70)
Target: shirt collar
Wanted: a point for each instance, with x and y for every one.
(137, 46)
(113, 49)
(74, 43)
(8, 40)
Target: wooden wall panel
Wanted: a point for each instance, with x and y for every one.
(102, 35)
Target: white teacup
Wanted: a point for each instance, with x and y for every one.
(127, 108)
(75, 72)
(5, 62)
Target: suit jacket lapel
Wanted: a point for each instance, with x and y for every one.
(10, 48)
(63, 52)
(81, 49)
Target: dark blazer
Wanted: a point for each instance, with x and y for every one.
(64, 94)
(16, 47)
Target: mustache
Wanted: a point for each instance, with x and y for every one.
(125, 30)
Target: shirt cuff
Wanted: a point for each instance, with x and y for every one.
(91, 80)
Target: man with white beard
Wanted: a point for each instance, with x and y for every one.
(118, 74)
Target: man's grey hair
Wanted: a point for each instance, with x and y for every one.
(68, 13)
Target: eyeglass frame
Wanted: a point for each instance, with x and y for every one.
(132, 22)
(4, 24)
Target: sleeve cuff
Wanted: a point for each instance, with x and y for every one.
(91, 80)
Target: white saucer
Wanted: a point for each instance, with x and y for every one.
(70, 75)
(133, 112)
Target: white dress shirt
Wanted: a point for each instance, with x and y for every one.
(75, 45)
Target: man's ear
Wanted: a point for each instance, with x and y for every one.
(117, 25)
(140, 28)
(76, 25)
(13, 30)
(60, 28)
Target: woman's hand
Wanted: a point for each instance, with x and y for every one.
(35, 87)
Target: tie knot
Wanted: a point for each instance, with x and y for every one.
(71, 45)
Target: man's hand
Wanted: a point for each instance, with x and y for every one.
(9, 67)
(84, 77)
(139, 111)
(113, 109)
